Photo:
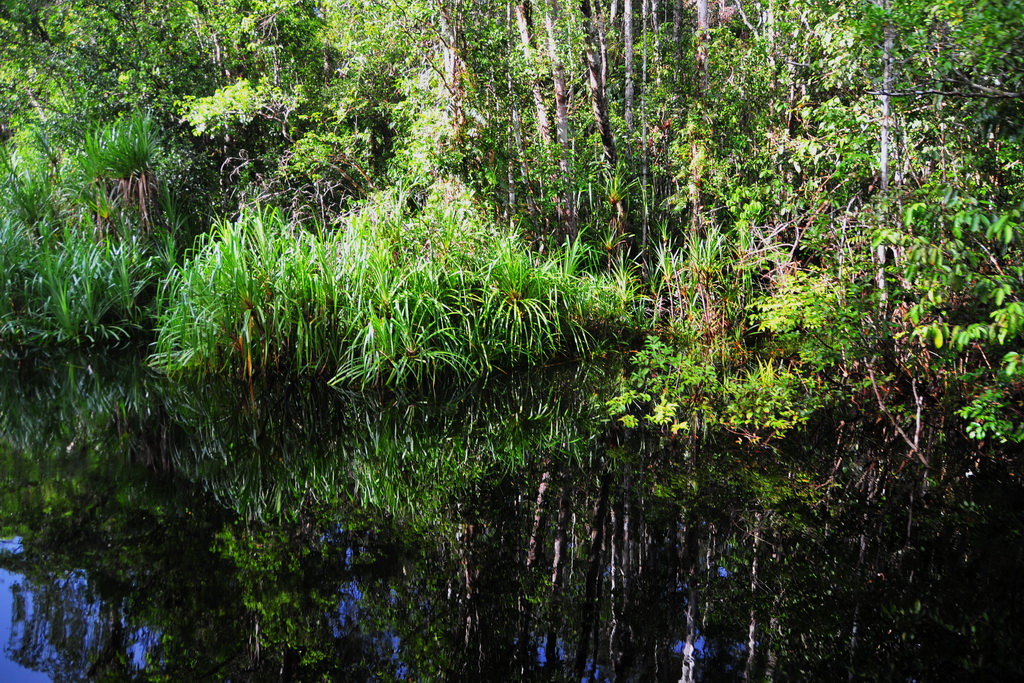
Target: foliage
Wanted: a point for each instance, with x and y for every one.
(689, 393)
(82, 240)
(392, 296)
(236, 105)
(830, 190)
(118, 167)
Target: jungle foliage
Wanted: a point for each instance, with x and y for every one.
(809, 204)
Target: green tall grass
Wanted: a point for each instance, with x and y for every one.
(79, 256)
(69, 288)
(393, 295)
(26, 188)
(700, 285)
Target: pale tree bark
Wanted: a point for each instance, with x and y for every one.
(645, 167)
(748, 669)
(538, 519)
(524, 171)
(567, 210)
(885, 135)
(526, 41)
(656, 29)
(697, 143)
(454, 67)
(886, 101)
(677, 29)
(596, 81)
(627, 40)
(590, 620)
(561, 545)
(688, 549)
(525, 607)
(702, 45)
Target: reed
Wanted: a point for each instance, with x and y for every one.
(394, 295)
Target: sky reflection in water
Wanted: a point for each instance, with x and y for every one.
(492, 532)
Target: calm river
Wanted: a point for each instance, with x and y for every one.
(507, 530)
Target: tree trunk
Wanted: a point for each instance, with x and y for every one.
(627, 39)
(567, 212)
(453, 68)
(596, 82)
(702, 46)
(748, 669)
(590, 619)
(677, 33)
(526, 40)
(689, 549)
(698, 141)
(885, 136)
(886, 131)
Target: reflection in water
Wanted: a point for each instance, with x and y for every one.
(490, 532)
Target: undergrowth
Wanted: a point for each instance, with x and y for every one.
(394, 294)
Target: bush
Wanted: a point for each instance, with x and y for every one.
(394, 295)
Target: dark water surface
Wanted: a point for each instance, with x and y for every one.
(158, 530)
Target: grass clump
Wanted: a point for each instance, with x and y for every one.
(118, 178)
(67, 287)
(395, 294)
(81, 251)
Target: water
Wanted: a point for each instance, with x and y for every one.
(163, 530)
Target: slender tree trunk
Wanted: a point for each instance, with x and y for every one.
(772, 660)
(596, 81)
(524, 171)
(645, 163)
(627, 39)
(656, 28)
(567, 210)
(453, 67)
(526, 41)
(525, 607)
(886, 128)
(557, 569)
(538, 519)
(677, 33)
(689, 549)
(702, 46)
(885, 136)
(561, 540)
(623, 646)
(697, 143)
(593, 581)
(748, 669)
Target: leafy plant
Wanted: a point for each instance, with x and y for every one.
(117, 165)
(391, 297)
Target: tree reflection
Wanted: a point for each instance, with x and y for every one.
(486, 533)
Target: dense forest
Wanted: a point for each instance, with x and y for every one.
(801, 206)
(529, 340)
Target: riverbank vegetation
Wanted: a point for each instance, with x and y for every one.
(388, 297)
(808, 206)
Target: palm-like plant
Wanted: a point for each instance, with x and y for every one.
(117, 163)
(389, 298)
